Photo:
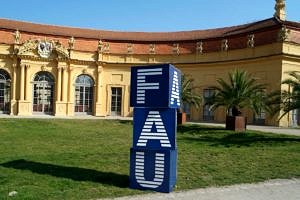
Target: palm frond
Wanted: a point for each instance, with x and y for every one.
(286, 100)
(188, 92)
(240, 91)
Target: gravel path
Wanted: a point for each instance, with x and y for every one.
(278, 189)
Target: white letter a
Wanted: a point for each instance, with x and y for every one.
(154, 118)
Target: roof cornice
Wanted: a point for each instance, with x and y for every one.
(192, 35)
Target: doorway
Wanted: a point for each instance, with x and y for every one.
(116, 101)
(43, 90)
(4, 92)
(84, 95)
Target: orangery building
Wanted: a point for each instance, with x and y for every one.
(64, 71)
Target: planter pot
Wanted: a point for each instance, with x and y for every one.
(236, 123)
(181, 118)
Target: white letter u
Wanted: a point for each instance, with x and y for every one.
(159, 170)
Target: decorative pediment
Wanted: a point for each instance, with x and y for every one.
(44, 48)
(27, 46)
(60, 49)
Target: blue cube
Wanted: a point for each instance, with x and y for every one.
(153, 169)
(155, 86)
(154, 128)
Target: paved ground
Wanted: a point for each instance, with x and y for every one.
(271, 129)
(270, 190)
(274, 129)
(38, 116)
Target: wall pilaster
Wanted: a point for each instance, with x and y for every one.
(24, 107)
(58, 85)
(28, 95)
(60, 104)
(99, 97)
(64, 93)
(22, 80)
(13, 102)
(70, 103)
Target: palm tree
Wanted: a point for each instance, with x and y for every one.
(188, 97)
(242, 91)
(286, 100)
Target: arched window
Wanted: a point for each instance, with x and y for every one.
(43, 92)
(4, 92)
(84, 94)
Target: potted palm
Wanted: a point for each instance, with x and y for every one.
(241, 91)
(188, 97)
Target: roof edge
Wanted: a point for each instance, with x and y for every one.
(65, 31)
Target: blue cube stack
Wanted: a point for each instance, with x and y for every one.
(155, 96)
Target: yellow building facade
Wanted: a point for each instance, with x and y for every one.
(65, 71)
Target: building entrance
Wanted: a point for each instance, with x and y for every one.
(84, 95)
(116, 101)
(4, 92)
(296, 117)
(43, 89)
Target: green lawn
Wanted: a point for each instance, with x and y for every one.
(88, 159)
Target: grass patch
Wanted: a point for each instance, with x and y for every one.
(88, 159)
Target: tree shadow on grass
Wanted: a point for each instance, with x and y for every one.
(242, 139)
(218, 136)
(74, 173)
(123, 121)
(198, 129)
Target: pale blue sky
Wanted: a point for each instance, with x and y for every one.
(145, 15)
